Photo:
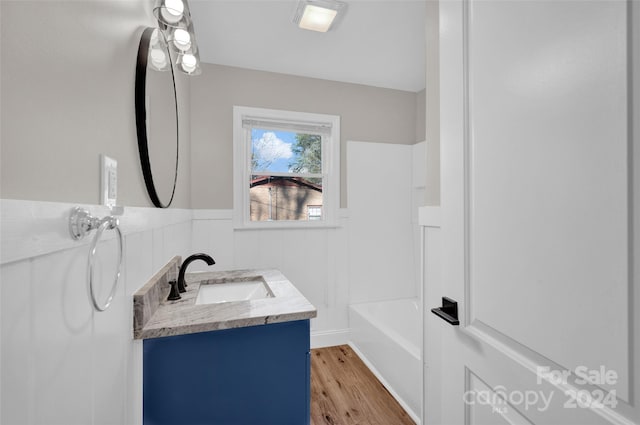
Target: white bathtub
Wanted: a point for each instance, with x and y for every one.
(386, 335)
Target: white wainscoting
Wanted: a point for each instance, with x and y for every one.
(372, 253)
(62, 362)
(315, 260)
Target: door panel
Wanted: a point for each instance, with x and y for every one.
(548, 175)
(538, 211)
(493, 409)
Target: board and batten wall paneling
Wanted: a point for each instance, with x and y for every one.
(315, 260)
(62, 362)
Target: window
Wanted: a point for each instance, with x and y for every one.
(314, 212)
(285, 168)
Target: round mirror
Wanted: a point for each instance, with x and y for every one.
(157, 117)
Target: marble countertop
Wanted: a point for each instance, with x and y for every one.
(166, 318)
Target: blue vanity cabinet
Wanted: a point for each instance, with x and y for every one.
(258, 375)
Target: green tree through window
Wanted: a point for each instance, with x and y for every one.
(307, 153)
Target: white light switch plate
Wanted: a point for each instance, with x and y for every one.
(108, 180)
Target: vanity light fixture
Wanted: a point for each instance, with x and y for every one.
(174, 20)
(180, 39)
(189, 60)
(189, 64)
(319, 15)
(159, 59)
(169, 12)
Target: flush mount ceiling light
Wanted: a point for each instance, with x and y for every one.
(319, 15)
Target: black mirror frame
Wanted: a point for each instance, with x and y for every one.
(141, 119)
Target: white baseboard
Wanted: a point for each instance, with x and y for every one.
(384, 382)
(330, 338)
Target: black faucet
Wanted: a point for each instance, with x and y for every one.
(204, 257)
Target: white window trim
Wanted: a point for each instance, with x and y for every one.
(241, 172)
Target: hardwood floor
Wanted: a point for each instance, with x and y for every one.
(345, 392)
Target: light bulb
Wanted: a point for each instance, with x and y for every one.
(182, 39)
(154, 38)
(172, 11)
(189, 63)
(158, 58)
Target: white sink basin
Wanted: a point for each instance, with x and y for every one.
(213, 293)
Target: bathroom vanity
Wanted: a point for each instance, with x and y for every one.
(213, 358)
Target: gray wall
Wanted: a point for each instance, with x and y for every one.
(367, 114)
(432, 112)
(67, 78)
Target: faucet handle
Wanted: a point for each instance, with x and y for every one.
(174, 294)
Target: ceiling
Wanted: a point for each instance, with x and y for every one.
(378, 43)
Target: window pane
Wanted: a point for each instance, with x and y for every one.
(314, 212)
(285, 151)
(285, 198)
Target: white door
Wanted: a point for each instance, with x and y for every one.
(540, 211)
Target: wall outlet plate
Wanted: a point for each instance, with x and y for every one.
(108, 181)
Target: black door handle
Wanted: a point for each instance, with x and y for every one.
(448, 311)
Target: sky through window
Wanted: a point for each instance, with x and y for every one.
(279, 151)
